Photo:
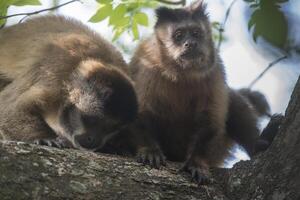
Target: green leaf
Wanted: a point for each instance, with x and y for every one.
(216, 25)
(135, 30)
(3, 12)
(104, 1)
(141, 18)
(269, 22)
(25, 2)
(123, 22)
(118, 14)
(118, 33)
(102, 13)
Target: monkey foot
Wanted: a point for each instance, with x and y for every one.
(152, 156)
(57, 142)
(199, 174)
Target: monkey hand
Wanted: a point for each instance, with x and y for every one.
(200, 173)
(58, 142)
(152, 156)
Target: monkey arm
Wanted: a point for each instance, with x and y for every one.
(209, 145)
(147, 149)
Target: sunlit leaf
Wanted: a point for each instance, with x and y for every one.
(25, 2)
(141, 18)
(135, 30)
(102, 13)
(3, 12)
(125, 21)
(118, 33)
(117, 14)
(104, 1)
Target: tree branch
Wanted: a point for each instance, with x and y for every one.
(265, 70)
(39, 11)
(40, 172)
(222, 26)
(182, 2)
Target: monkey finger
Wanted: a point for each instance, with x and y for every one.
(141, 158)
(57, 144)
(163, 160)
(199, 177)
(183, 168)
(150, 160)
(43, 142)
(158, 161)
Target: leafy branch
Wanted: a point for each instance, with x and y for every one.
(38, 11)
(221, 28)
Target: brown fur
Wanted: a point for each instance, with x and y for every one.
(182, 104)
(54, 62)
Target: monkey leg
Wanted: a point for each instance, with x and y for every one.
(28, 127)
(142, 139)
(148, 150)
(206, 150)
(23, 126)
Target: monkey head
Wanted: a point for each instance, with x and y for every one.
(185, 35)
(102, 101)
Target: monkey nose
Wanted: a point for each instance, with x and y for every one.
(190, 45)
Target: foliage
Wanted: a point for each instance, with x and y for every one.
(268, 21)
(127, 15)
(4, 4)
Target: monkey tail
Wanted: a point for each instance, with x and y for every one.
(258, 101)
(262, 108)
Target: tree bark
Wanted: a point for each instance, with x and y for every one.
(37, 172)
(29, 171)
(274, 174)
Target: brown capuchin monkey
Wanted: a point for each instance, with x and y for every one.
(182, 93)
(67, 85)
(184, 100)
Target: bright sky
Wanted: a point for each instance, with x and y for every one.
(243, 59)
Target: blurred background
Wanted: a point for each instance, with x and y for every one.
(274, 24)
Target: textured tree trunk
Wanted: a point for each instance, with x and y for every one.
(37, 172)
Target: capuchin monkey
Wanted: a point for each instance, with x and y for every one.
(182, 93)
(67, 85)
(186, 110)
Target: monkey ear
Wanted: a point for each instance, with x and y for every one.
(198, 9)
(163, 15)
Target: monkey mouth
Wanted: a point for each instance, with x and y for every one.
(191, 55)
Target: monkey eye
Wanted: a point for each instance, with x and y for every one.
(178, 35)
(90, 139)
(196, 34)
(90, 120)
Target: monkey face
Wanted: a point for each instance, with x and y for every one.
(185, 35)
(95, 131)
(102, 102)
